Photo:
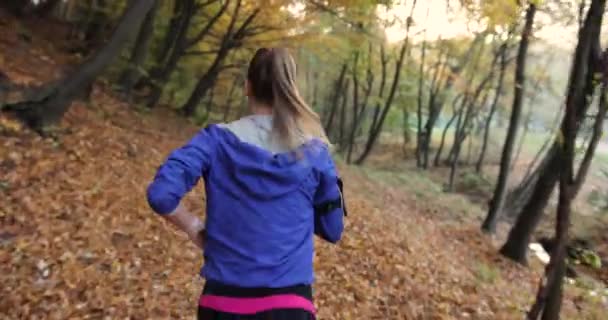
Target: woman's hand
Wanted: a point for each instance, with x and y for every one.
(199, 239)
(188, 223)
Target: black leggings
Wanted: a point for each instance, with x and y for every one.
(213, 288)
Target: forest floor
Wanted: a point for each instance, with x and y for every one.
(77, 239)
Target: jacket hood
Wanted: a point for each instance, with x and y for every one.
(249, 162)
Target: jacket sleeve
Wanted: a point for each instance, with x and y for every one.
(329, 203)
(181, 172)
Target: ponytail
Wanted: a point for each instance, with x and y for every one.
(272, 74)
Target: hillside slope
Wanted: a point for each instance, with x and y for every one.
(77, 239)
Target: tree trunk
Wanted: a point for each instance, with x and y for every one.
(437, 100)
(375, 131)
(315, 90)
(204, 84)
(516, 246)
(598, 127)
(489, 224)
(420, 135)
(581, 87)
(95, 29)
(455, 114)
(355, 119)
(229, 100)
(343, 115)
(527, 120)
(406, 129)
(550, 296)
(493, 108)
(182, 43)
(132, 73)
(16, 7)
(50, 108)
(335, 99)
(168, 42)
(231, 40)
(159, 76)
(45, 8)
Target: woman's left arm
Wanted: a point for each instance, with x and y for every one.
(176, 177)
(188, 223)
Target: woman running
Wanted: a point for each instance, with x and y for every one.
(271, 184)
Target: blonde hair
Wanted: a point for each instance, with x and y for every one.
(272, 76)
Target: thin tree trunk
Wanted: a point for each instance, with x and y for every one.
(455, 114)
(132, 73)
(493, 108)
(598, 127)
(420, 136)
(375, 131)
(94, 30)
(335, 98)
(315, 90)
(489, 225)
(205, 83)
(520, 234)
(343, 115)
(581, 87)
(230, 41)
(405, 129)
(160, 76)
(16, 7)
(175, 24)
(550, 296)
(437, 99)
(45, 8)
(355, 119)
(229, 101)
(52, 105)
(182, 43)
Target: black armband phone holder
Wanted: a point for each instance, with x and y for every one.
(329, 206)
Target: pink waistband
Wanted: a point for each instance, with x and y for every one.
(248, 306)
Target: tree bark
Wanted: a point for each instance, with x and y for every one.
(229, 100)
(132, 73)
(437, 98)
(53, 103)
(436, 102)
(355, 119)
(160, 75)
(420, 135)
(182, 43)
(375, 131)
(343, 115)
(94, 30)
(335, 99)
(16, 7)
(516, 246)
(45, 8)
(581, 87)
(489, 224)
(231, 40)
(455, 114)
(168, 42)
(527, 119)
(493, 108)
(597, 133)
(549, 298)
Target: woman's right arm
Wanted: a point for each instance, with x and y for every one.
(329, 204)
(176, 177)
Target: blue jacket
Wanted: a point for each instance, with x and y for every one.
(262, 207)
